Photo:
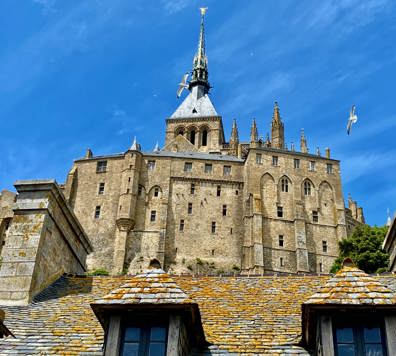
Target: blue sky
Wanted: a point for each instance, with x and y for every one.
(77, 74)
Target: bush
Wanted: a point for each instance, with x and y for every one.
(98, 272)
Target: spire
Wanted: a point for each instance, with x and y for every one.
(200, 64)
(277, 129)
(303, 142)
(253, 132)
(156, 148)
(135, 146)
(234, 133)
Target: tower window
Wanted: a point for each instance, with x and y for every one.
(274, 160)
(192, 137)
(307, 188)
(315, 216)
(285, 185)
(296, 163)
(101, 188)
(213, 251)
(320, 267)
(258, 158)
(140, 190)
(311, 166)
(218, 193)
(153, 215)
(150, 165)
(329, 168)
(181, 225)
(226, 170)
(324, 246)
(156, 191)
(204, 137)
(279, 211)
(208, 168)
(187, 167)
(213, 227)
(192, 188)
(236, 192)
(101, 166)
(97, 212)
(231, 231)
(189, 209)
(224, 210)
(281, 263)
(280, 240)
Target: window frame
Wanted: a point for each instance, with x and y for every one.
(259, 158)
(192, 188)
(275, 161)
(226, 170)
(101, 188)
(101, 166)
(329, 168)
(153, 215)
(279, 211)
(181, 225)
(188, 166)
(312, 166)
(296, 163)
(208, 168)
(151, 165)
(98, 211)
(281, 240)
(315, 216)
(284, 185)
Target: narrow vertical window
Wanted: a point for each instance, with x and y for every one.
(329, 168)
(320, 267)
(150, 165)
(315, 216)
(156, 191)
(101, 188)
(192, 188)
(153, 215)
(307, 188)
(324, 246)
(231, 231)
(192, 137)
(208, 168)
(97, 212)
(226, 170)
(204, 137)
(274, 160)
(284, 185)
(140, 190)
(213, 227)
(311, 166)
(281, 263)
(296, 163)
(279, 211)
(181, 225)
(187, 167)
(236, 192)
(280, 240)
(224, 210)
(189, 208)
(101, 166)
(258, 158)
(218, 193)
(213, 251)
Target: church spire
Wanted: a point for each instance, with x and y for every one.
(200, 64)
(253, 133)
(303, 142)
(234, 140)
(277, 129)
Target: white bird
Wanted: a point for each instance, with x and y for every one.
(182, 85)
(352, 119)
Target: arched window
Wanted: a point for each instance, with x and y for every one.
(307, 188)
(192, 137)
(284, 185)
(180, 131)
(204, 137)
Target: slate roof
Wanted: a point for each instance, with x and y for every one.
(240, 315)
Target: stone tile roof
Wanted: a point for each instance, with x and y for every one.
(351, 286)
(240, 315)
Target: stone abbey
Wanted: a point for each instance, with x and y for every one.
(200, 201)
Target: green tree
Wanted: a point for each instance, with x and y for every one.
(364, 247)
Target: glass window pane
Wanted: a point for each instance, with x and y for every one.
(344, 335)
(158, 334)
(157, 349)
(374, 350)
(346, 350)
(372, 335)
(130, 350)
(132, 334)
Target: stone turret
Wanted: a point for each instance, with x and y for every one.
(253, 134)
(234, 140)
(277, 129)
(303, 142)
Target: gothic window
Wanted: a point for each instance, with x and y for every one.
(329, 168)
(208, 168)
(192, 188)
(153, 215)
(284, 185)
(224, 210)
(181, 225)
(101, 166)
(192, 137)
(189, 208)
(156, 191)
(97, 212)
(296, 163)
(150, 165)
(311, 166)
(315, 216)
(307, 188)
(101, 188)
(279, 211)
(218, 193)
(324, 246)
(204, 137)
(280, 240)
(213, 227)
(226, 170)
(187, 167)
(274, 160)
(258, 158)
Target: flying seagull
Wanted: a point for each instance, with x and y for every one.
(352, 119)
(182, 85)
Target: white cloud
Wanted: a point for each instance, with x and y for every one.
(174, 6)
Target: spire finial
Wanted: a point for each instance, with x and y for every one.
(253, 132)
(156, 148)
(303, 142)
(200, 63)
(135, 146)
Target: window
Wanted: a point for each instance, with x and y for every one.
(280, 240)
(101, 188)
(213, 251)
(224, 210)
(213, 227)
(359, 338)
(192, 137)
(324, 246)
(153, 215)
(208, 168)
(329, 168)
(258, 158)
(181, 225)
(187, 167)
(280, 212)
(204, 137)
(315, 216)
(218, 193)
(101, 166)
(281, 261)
(236, 192)
(320, 267)
(296, 163)
(148, 340)
(150, 165)
(156, 191)
(284, 185)
(311, 166)
(140, 190)
(307, 188)
(231, 231)
(192, 188)
(226, 170)
(97, 212)
(189, 209)
(274, 160)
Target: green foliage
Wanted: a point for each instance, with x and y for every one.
(364, 247)
(98, 272)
